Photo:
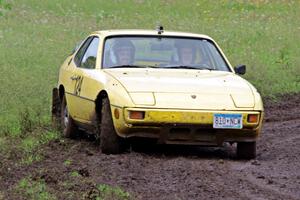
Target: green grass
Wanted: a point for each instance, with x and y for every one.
(67, 162)
(107, 192)
(36, 36)
(33, 189)
(28, 148)
(74, 174)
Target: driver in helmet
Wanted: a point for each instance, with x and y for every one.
(186, 52)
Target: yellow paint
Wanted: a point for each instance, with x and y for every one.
(167, 96)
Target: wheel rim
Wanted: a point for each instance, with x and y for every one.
(66, 116)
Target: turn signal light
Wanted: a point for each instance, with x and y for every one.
(117, 113)
(252, 118)
(136, 114)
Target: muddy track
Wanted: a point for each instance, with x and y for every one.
(176, 172)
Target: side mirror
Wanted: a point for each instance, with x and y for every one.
(240, 69)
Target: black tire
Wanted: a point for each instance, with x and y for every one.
(246, 150)
(110, 142)
(68, 126)
(56, 110)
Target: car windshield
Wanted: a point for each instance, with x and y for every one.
(162, 52)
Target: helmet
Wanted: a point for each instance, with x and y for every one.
(185, 43)
(123, 44)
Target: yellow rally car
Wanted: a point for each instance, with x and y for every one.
(177, 88)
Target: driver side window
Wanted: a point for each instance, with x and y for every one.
(87, 54)
(89, 59)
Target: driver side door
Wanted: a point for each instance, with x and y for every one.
(85, 64)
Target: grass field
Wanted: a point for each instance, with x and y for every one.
(36, 36)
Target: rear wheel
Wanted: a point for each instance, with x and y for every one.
(68, 125)
(246, 150)
(110, 142)
(56, 109)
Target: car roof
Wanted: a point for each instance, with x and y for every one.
(149, 32)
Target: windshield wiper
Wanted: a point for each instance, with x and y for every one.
(132, 66)
(189, 67)
(182, 67)
(198, 67)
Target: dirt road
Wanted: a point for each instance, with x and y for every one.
(176, 172)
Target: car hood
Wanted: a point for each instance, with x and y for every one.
(185, 89)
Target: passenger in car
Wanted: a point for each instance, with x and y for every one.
(124, 51)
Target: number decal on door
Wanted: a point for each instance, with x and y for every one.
(78, 84)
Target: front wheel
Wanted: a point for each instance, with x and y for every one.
(110, 142)
(246, 150)
(68, 125)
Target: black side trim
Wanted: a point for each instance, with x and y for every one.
(79, 96)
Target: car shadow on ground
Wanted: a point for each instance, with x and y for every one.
(167, 150)
(151, 148)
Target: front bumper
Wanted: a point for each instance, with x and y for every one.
(174, 126)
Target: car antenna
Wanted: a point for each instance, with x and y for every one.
(160, 29)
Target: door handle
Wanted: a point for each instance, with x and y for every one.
(74, 78)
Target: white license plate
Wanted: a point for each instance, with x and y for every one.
(228, 121)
